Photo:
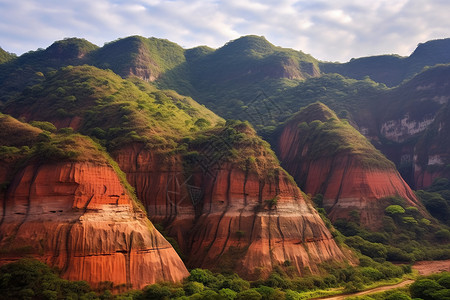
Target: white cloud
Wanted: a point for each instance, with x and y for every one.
(329, 30)
(338, 15)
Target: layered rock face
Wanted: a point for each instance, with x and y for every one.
(231, 218)
(78, 217)
(252, 223)
(331, 158)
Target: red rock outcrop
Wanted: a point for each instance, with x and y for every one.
(252, 223)
(231, 218)
(351, 174)
(159, 181)
(78, 217)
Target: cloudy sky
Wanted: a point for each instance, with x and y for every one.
(332, 30)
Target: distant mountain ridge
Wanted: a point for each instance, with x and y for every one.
(393, 69)
(251, 79)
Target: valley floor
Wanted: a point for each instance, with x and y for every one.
(423, 267)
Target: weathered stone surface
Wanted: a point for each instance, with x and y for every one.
(242, 220)
(78, 217)
(347, 179)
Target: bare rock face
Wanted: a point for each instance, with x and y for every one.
(232, 217)
(251, 223)
(159, 181)
(329, 157)
(78, 217)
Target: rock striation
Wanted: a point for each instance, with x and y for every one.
(245, 215)
(78, 216)
(328, 156)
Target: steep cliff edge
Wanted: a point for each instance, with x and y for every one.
(75, 214)
(415, 126)
(328, 156)
(236, 211)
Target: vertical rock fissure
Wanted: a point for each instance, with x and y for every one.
(136, 159)
(5, 196)
(128, 259)
(223, 213)
(169, 202)
(245, 201)
(213, 186)
(155, 193)
(282, 236)
(245, 183)
(139, 192)
(227, 238)
(174, 205)
(85, 208)
(257, 208)
(165, 276)
(277, 192)
(269, 234)
(338, 195)
(67, 244)
(325, 183)
(298, 166)
(27, 212)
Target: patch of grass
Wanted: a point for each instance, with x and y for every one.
(324, 135)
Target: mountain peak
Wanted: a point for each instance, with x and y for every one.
(315, 111)
(250, 44)
(435, 48)
(70, 48)
(146, 58)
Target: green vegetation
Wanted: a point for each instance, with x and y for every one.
(15, 133)
(231, 77)
(46, 126)
(324, 135)
(434, 287)
(236, 143)
(436, 199)
(31, 143)
(30, 279)
(32, 67)
(70, 49)
(115, 111)
(153, 56)
(5, 56)
(267, 101)
(406, 236)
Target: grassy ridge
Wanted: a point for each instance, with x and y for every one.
(5, 56)
(322, 132)
(113, 110)
(151, 55)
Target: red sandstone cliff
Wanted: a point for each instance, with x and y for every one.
(78, 217)
(233, 217)
(76, 214)
(252, 223)
(331, 158)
